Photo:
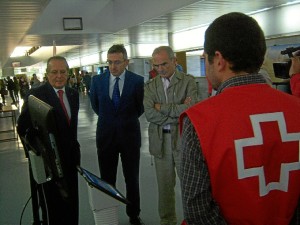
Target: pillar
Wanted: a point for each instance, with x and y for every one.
(181, 60)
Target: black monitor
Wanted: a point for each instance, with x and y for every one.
(44, 136)
(281, 69)
(101, 185)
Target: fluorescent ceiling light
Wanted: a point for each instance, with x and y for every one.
(195, 52)
(20, 51)
(291, 2)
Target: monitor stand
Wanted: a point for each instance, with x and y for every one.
(105, 208)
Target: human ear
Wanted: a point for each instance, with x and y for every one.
(220, 61)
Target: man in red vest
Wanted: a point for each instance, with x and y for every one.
(240, 157)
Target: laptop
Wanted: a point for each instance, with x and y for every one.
(101, 185)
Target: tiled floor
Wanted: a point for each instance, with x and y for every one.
(15, 189)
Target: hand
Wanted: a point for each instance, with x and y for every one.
(187, 101)
(295, 66)
(157, 106)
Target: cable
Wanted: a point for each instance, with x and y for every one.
(46, 206)
(24, 210)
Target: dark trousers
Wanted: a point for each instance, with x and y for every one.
(130, 157)
(57, 209)
(11, 94)
(16, 94)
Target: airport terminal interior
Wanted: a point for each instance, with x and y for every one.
(15, 186)
(82, 31)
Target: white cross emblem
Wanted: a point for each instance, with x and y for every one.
(285, 168)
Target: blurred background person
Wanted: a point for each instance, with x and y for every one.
(3, 91)
(10, 87)
(24, 87)
(16, 88)
(34, 82)
(295, 74)
(87, 82)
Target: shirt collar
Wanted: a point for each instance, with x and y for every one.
(56, 90)
(122, 76)
(242, 80)
(170, 78)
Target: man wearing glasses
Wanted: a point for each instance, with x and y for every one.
(117, 98)
(166, 96)
(58, 205)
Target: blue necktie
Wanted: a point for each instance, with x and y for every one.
(116, 94)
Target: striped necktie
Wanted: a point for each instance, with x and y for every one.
(61, 99)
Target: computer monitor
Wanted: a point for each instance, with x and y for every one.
(43, 140)
(281, 69)
(101, 185)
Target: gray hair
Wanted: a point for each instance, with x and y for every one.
(167, 49)
(57, 57)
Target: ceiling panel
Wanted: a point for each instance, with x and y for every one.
(151, 23)
(16, 17)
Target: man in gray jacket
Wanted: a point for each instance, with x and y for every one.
(165, 97)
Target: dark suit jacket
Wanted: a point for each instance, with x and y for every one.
(67, 134)
(61, 193)
(122, 124)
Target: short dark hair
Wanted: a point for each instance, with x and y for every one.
(118, 48)
(57, 57)
(240, 40)
(167, 49)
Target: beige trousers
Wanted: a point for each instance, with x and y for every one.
(166, 168)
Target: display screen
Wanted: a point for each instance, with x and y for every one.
(45, 131)
(281, 70)
(101, 185)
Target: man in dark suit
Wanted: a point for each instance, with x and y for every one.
(10, 88)
(58, 207)
(117, 98)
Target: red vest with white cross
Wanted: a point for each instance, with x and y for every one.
(250, 137)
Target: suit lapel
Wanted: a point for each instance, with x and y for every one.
(52, 97)
(104, 88)
(69, 94)
(126, 85)
(54, 101)
(105, 84)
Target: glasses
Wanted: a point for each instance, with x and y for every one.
(117, 62)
